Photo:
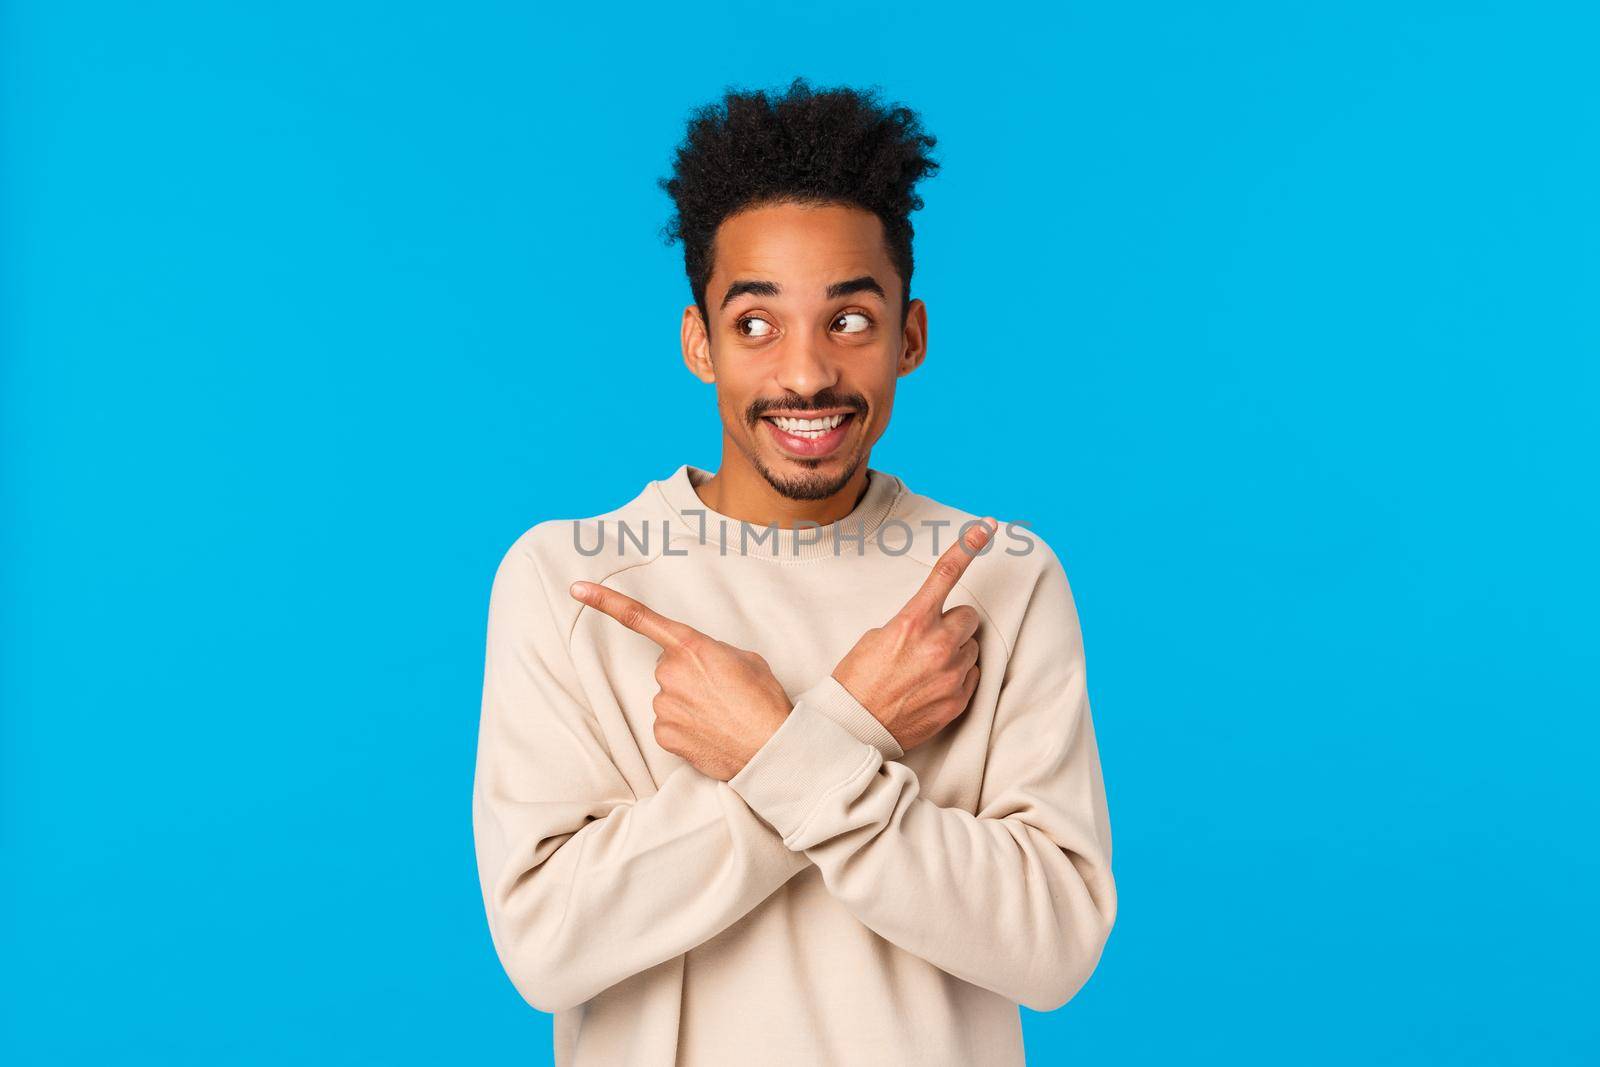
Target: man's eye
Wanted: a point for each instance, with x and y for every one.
(754, 327)
(851, 322)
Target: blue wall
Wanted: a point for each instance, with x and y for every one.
(1279, 324)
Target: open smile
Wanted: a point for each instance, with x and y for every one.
(809, 436)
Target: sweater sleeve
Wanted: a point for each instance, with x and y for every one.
(585, 883)
(1017, 898)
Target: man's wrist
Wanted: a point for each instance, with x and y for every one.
(831, 698)
(809, 758)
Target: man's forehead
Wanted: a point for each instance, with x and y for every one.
(802, 249)
(820, 271)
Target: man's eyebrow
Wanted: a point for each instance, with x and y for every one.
(740, 288)
(864, 284)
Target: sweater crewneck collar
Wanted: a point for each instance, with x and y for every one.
(731, 537)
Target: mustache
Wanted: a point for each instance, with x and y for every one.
(827, 398)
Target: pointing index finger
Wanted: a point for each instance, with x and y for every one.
(631, 613)
(950, 566)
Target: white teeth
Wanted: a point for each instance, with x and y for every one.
(808, 427)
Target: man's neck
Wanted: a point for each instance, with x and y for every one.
(739, 491)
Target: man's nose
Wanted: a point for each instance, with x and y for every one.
(803, 365)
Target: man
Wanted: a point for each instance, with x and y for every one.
(788, 764)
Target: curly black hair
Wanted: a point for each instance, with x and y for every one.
(803, 146)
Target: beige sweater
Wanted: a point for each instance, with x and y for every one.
(839, 901)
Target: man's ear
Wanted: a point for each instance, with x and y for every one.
(696, 345)
(913, 339)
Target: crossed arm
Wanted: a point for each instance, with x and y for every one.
(586, 885)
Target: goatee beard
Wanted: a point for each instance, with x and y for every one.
(816, 486)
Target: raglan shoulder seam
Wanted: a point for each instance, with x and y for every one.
(635, 565)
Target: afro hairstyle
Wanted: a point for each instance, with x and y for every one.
(806, 146)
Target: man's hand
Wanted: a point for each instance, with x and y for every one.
(718, 704)
(917, 672)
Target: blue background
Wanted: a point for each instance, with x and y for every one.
(1279, 324)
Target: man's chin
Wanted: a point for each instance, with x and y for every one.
(799, 479)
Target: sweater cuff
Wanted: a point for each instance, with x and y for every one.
(835, 701)
(809, 756)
